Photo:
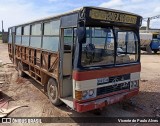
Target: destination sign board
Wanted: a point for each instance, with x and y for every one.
(112, 16)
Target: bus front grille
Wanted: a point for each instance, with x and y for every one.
(112, 88)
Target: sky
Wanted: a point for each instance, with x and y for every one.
(14, 12)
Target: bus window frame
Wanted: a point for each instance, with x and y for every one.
(59, 34)
(77, 63)
(18, 35)
(29, 35)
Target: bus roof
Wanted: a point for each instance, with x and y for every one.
(75, 11)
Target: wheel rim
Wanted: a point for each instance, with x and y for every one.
(52, 92)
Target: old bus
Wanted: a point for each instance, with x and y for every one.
(88, 58)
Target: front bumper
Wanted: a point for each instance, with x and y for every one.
(100, 103)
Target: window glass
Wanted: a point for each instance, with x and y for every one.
(47, 29)
(52, 28)
(35, 42)
(68, 38)
(26, 30)
(18, 40)
(50, 43)
(18, 31)
(99, 47)
(36, 29)
(55, 25)
(10, 31)
(10, 39)
(126, 47)
(98, 32)
(25, 40)
(75, 34)
(10, 36)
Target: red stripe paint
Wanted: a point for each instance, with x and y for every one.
(100, 103)
(93, 74)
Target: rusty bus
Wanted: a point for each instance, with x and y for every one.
(88, 58)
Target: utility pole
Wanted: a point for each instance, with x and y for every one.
(2, 32)
(148, 23)
(2, 27)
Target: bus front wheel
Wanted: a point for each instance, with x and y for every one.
(52, 91)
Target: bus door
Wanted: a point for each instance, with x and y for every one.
(67, 54)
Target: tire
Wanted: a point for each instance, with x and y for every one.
(20, 70)
(155, 51)
(52, 92)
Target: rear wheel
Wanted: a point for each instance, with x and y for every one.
(155, 51)
(52, 91)
(20, 70)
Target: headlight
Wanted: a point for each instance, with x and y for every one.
(84, 94)
(91, 92)
(134, 84)
(88, 94)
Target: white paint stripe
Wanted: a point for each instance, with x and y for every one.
(135, 76)
(92, 84)
(85, 85)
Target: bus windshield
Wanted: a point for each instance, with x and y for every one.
(103, 47)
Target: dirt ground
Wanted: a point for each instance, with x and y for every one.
(25, 91)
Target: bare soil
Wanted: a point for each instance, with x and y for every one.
(25, 91)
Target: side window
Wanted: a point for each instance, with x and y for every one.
(51, 35)
(36, 29)
(68, 38)
(10, 31)
(19, 31)
(52, 28)
(26, 30)
(36, 35)
(25, 37)
(47, 28)
(18, 35)
(10, 36)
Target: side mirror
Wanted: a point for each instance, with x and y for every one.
(81, 33)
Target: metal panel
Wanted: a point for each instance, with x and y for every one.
(69, 20)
